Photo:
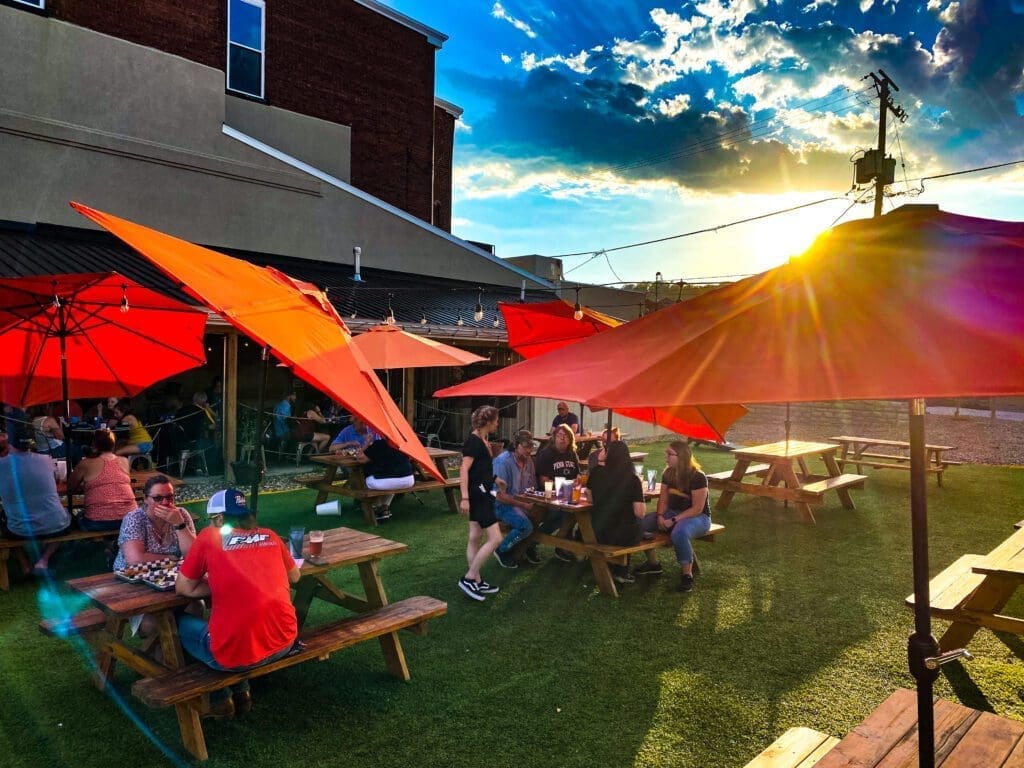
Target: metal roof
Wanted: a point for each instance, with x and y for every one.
(44, 249)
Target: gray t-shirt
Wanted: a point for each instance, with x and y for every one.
(29, 494)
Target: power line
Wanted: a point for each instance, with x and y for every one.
(702, 231)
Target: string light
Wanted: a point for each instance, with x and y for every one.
(497, 320)
(124, 298)
(577, 310)
(460, 321)
(478, 313)
(423, 319)
(390, 318)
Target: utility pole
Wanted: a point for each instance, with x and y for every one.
(882, 168)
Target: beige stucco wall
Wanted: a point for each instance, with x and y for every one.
(139, 133)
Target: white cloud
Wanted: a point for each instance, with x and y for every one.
(813, 6)
(458, 221)
(675, 105)
(948, 16)
(729, 14)
(461, 126)
(865, 5)
(499, 12)
(577, 63)
(506, 59)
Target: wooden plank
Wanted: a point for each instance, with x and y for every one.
(987, 744)
(76, 535)
(834, 483)
(892, 443)
(320, 642)
(89, 620)
(872, 739)
(950, 588)
(753, 469)
(796, 748)
(1007, 558)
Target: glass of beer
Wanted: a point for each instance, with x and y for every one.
(576, 489)
(583, 479)
(316, 543)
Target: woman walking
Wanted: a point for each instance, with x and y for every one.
(476, 478)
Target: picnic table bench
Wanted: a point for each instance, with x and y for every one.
(796, 748)
(776, 464)
(858, 451)
(972, 592)
(168, 681)
(601, 556)
(355, 486)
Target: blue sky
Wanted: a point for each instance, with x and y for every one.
(593, 125)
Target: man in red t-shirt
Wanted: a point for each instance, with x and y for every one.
(247, 572)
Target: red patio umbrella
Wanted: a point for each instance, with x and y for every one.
(388, 346)
(535, 329)
(916, 304)
(91, 335)
(292, 318)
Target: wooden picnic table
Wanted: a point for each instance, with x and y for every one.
(356, 488)
(119, 601)
(776, 466)
(973, 591)
(963, 738)
(864, 451)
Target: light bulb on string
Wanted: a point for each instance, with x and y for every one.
(478, 312)
(497, 320)
(460, 322)
(577, 310)
(124, 298)
(423, 318)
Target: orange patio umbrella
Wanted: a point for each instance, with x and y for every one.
(579, 363)
(388, 346)
(292, 318)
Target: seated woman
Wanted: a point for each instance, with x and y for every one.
(107, 484)
(49, 434)
(559, 458)
(618, 499)
(308, 427)
(683, 511)
(157, 529)
(139, 439)
(29, 494)
(388, 470)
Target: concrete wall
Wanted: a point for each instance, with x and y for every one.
(338, 61)
(138, 132)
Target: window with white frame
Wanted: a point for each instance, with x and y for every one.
(32, 3)
(246, 38)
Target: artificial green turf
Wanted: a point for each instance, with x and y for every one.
(790, 624)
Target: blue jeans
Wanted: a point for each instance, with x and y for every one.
(98, 525)
(195, 639)
(682, 532)
(517, 520)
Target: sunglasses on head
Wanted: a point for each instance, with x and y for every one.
(160, 498)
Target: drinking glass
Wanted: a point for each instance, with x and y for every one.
(295, 535)
(651, 474)
(549, 487)
(316, 543)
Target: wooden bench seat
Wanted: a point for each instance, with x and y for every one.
(89, 620)
(949, 590)
(7, 544)
(832, 483)
(342, 488)
(796, 748)
(753, 469)
(187, 686)
(659, 540)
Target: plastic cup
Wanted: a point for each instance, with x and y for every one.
(295, 535)
(576, 494)
(549, 488)
(316, 543)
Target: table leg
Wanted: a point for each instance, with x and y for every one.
(993, 594)
(332, 472)
(803, 466)
(105, 661)
(934, 457)
(791, 482)
(738, 472)
(390, 645)
(598, 563)
(449, 493)
(833, 471)
(189, 724)
(303, 598)
(842, 456)
(5, 581)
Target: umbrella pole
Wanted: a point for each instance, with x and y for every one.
(62, 334)
(260, 406)
(921, 644)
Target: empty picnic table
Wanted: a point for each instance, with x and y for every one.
(777, 465)
(167, 681)
(355, 486)
(864, 451)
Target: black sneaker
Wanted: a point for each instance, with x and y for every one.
(685, 583)
(565, 555)
(471, 588)
(623, 576)
(648, 569)
(532, 556)
(486, 589)
(505, 560)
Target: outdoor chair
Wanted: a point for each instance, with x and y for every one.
(192, 452)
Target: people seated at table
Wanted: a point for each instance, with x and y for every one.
(565, 416)
(387, 469)
(476, 477)
(48, 433)
(559, 458)
(309, 427)
(107, 484)
(282, 417)
(32, 507)
(355, 436)
(156, 529)
(138, 440)
(102, 412)
(596, 458)
(683, 511)
(514, 473)
(247, 571)
(618, 504)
